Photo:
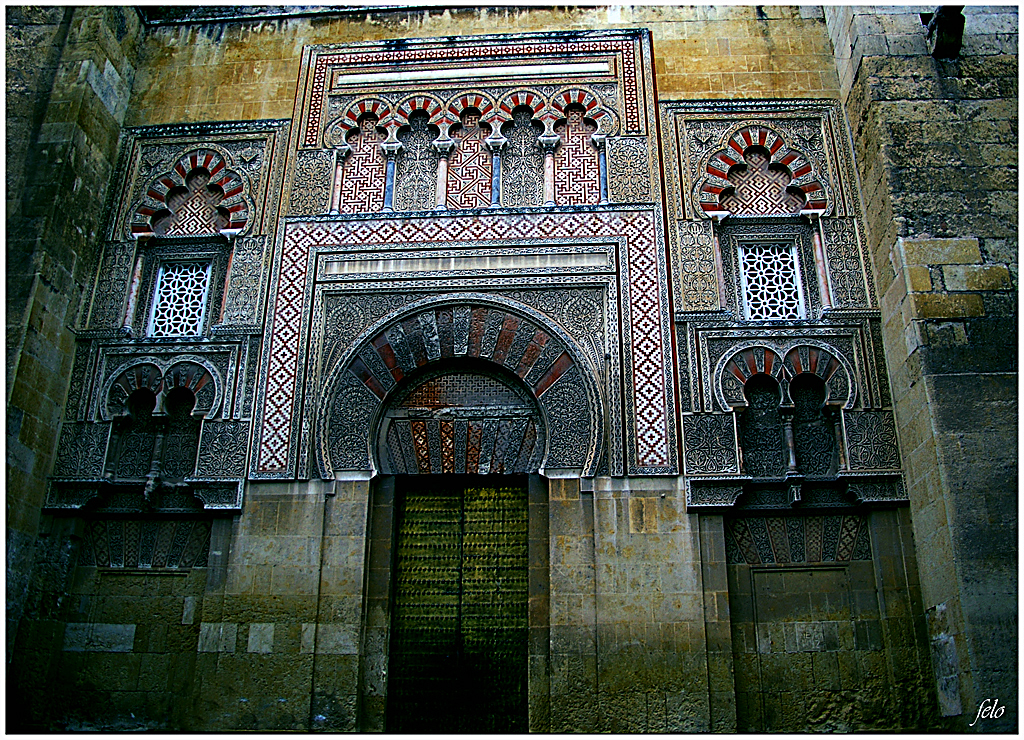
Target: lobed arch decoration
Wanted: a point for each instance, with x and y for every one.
(779, 178)
(418, 103)
(523, 98)
(201, 195)
(547, 413)
(423, 153)
(482, 102)
(337, 134)
(784, 365)
(604, 119)
(162, 377)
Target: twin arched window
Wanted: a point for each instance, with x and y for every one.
(798, 439)
(151, 445)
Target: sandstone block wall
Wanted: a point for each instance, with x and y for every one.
(219, 72)
(70, 76)
(936, 146)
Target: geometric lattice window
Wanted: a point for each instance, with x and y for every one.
(770, 275)
(179, 304)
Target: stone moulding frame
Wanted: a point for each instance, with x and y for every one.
(643, 353)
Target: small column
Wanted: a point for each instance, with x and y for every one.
(133, 298)
(227, 284)
(820, 262)
(444, 147)
(391, 150)
(718, 217)
(787, 421)
(495, 143)
(600, 142)
(840, 447)
(340, 155)
(548, 143)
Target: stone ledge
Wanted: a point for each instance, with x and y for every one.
(944, 306)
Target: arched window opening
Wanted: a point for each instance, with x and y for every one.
(762, 438)
(813, 431)
(136, 437)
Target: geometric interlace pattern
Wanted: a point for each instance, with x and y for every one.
(180, 299)
(362, 189)
(647, 353)
(760, 191)
(469, 174)
(577, 181)
(771, 287)
(198, 215)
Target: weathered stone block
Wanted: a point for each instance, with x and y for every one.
(941, 251)
(976, 277)
(939, 306)
(90, 637)
(217, 637)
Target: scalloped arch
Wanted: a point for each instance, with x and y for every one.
(606, 120)
(524, 97)
(472, 99)
(737, 365)
(425, 103)
(715, 171)
(216, 203)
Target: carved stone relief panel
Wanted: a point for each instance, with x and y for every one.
(311, 186)
(710, 444)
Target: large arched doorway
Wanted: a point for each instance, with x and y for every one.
(459, 438)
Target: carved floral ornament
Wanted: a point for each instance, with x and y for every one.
(736, 367)
(757, 172)
(201, 195)
(447, 114)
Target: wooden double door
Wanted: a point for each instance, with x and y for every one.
(459, 633)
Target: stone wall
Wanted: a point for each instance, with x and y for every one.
(936, 146)
(219, 72)
(70, 75)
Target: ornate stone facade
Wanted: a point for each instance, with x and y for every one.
(312, 343)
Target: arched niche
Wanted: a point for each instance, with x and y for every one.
(510, 345)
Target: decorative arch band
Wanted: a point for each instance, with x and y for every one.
(515, 341)
(784, 364)
(717, 180)
(161, 376)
